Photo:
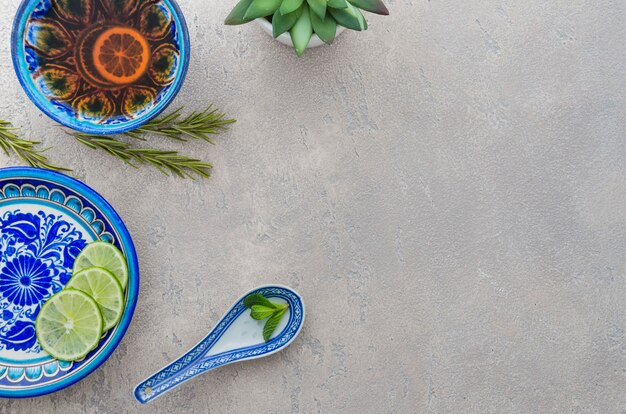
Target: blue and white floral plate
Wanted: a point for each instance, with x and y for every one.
(46, 218)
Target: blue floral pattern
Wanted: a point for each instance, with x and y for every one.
(25, 281)
(37, 255)
(39, 212)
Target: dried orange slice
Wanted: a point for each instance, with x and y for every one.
(121, 55)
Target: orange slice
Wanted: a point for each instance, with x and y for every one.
(121, 55)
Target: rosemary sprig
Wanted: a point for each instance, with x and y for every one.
(165, 161)
(197, 125)
(24, 149)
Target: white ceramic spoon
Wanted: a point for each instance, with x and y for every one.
(236, 337)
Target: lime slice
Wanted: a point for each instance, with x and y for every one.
(105, 255)
(104, 288)
(69, 325)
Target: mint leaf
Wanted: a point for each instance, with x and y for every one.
(271, 324)
(280, 307)
(259, 312)
(257, 299)
(261, 308)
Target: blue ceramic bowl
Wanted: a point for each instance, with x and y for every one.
(46, 218)
(57, 62)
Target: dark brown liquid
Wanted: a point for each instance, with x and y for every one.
(104, 59)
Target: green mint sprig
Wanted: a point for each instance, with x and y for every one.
(261, 308)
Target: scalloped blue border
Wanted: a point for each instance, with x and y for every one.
(19, 64)
(133, 270)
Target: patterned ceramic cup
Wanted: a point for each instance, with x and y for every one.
(100, 66)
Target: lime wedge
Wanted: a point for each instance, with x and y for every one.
(104, 288)
(69, 325)
(105, 255)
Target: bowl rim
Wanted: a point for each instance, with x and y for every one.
(44, 104)
(133, 271)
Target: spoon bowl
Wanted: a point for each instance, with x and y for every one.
(236, 337)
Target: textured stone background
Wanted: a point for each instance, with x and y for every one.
(446, 190)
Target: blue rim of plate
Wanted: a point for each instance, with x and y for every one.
(44, 104)
(21, 173)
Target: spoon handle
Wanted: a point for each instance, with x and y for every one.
(148, 389)
(175, 375)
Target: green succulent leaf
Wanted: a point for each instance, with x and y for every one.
(337, 4)
(302, 31)
(350, 17)
(272, 324)
(262, 8)
(325, 28)
(283, 22)
(289, 6)
(257, 299)
(236, 16)
(374, 6)
(318, 6)
(361, 19)
(259, 312)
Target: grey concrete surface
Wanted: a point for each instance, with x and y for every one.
(447, 191)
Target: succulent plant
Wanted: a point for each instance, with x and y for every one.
(302, 18)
